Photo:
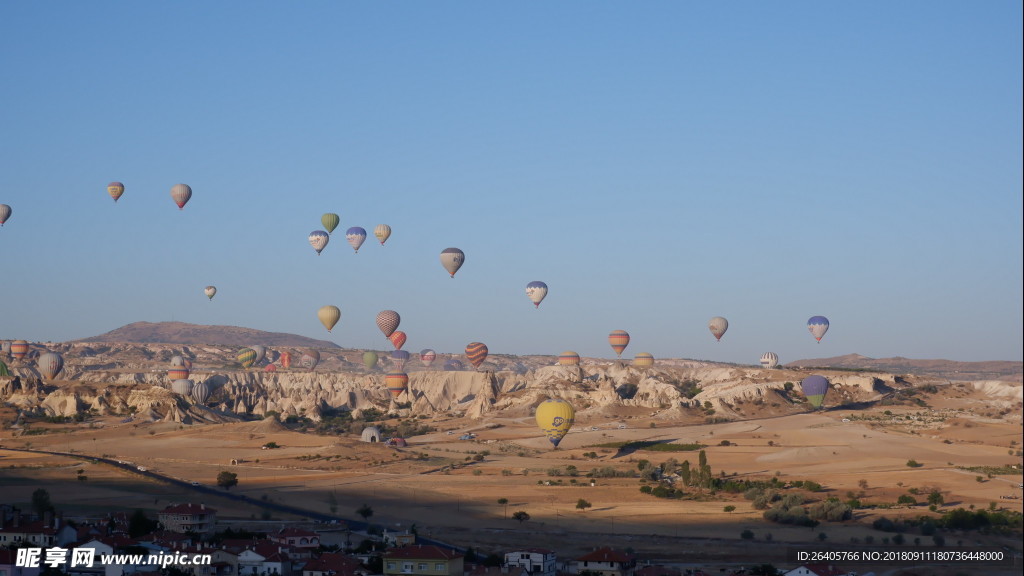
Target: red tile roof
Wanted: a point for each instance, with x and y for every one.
(188, 509)
(422, 552)
(606, 554)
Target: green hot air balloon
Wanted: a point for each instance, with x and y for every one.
(246, 357)
(330, 221)
(370, 359)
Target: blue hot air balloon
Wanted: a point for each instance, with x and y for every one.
(814, 389)
(817, 325)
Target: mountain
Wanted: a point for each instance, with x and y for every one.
(194, 334)
(948, 369)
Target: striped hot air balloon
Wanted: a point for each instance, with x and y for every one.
(115, 189)
(718, 326)
(201, 392)
(452, 259)
(476, 353)
(318, 239)
(370, 359)
(50, 364)
(330, 220)
(618, 339)
(246, 357)
(181, 194)
(286, 360)
(769, 360)
(19, 348)
(427, 356)
(398, 339)
(329, 316)
(555, 417)
(814, 389)
(355, 236)
(388, 321)
(182, 387)
(178, 373)
(382, 232)
(569, 358)
(399, 358)
(397, 382)
(536, 291)
(643, 360)
(817, 325)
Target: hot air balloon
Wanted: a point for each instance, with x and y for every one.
(536, 291)
(246, 357)
(643, 360)
(769, 360)
(182, 387)
(817, 325)
(718, 326)
(330, 221)
(19, 348)
(310, 358)
(382, 232)
(272, 356)
(50, 364)
(398, 339)
(210, 291)
(329, 316)
(370, 359)
(555, 417)
(270, 368)
(318, 239)
(476, 352)
(355, 236)
(5, 213)
(618, 339)
(115, 189)
(814, 388)
(177, 360)
(397, 382)
(5, 347)
(569, 358)
(388, 321)
(261, 353)
(186, 363)
(181, 193)
(3, 369)
(427, 356)
(399, 358)
(453, 365)
(201, 392)
(452, 259)
(177, 373)
(286, 360)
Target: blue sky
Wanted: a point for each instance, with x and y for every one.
(656, 164)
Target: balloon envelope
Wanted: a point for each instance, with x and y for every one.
(817, 325)
(330, 221)
(452, 259)
(355, 236)
(815, 388)
(453, 364)
(382, 232)
(536, 291)
(399, 358)
(769, 360)
(398, 339)
(177, 373)
(181, 193)
(201, 392)
(476, 352)
(329, 316)
(260, 351)
(246, 357)
(5, 213)
(318, 239)
(397, 382)
(718, 326)
(388, 321)
(182, 387)
(286, 360)
(370, 359)
(210, 292)
(50, 364)
(310, 358)
(555, 417)
(643, 360)
(427, 356)
(19, 348)
(618, 339)
(569, 358)
(115, 189)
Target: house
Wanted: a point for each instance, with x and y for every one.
(190, 517)
(333, 564)
(818, 570)
(423, 560)
(605, 562)
(9, 567)
(35, 533)
(266, 559)
(296, 538)
(535, 561)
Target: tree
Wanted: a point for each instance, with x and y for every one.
(582, 504)
(935, 498)
(521, 516)
(365, 511)
(729, 508)
(504, 502)
(41, 502)
(139, 524)
(227, 480)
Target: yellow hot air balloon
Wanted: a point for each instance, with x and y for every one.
(329, 316)
(555, 417)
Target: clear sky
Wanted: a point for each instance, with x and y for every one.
(655, 163)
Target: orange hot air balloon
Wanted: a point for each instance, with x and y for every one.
(619, 339)
(398, 339)
(476, 352)
(397, 382)
(286, 360)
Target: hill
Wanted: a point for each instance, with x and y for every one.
(192, 334)
(948, 369)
